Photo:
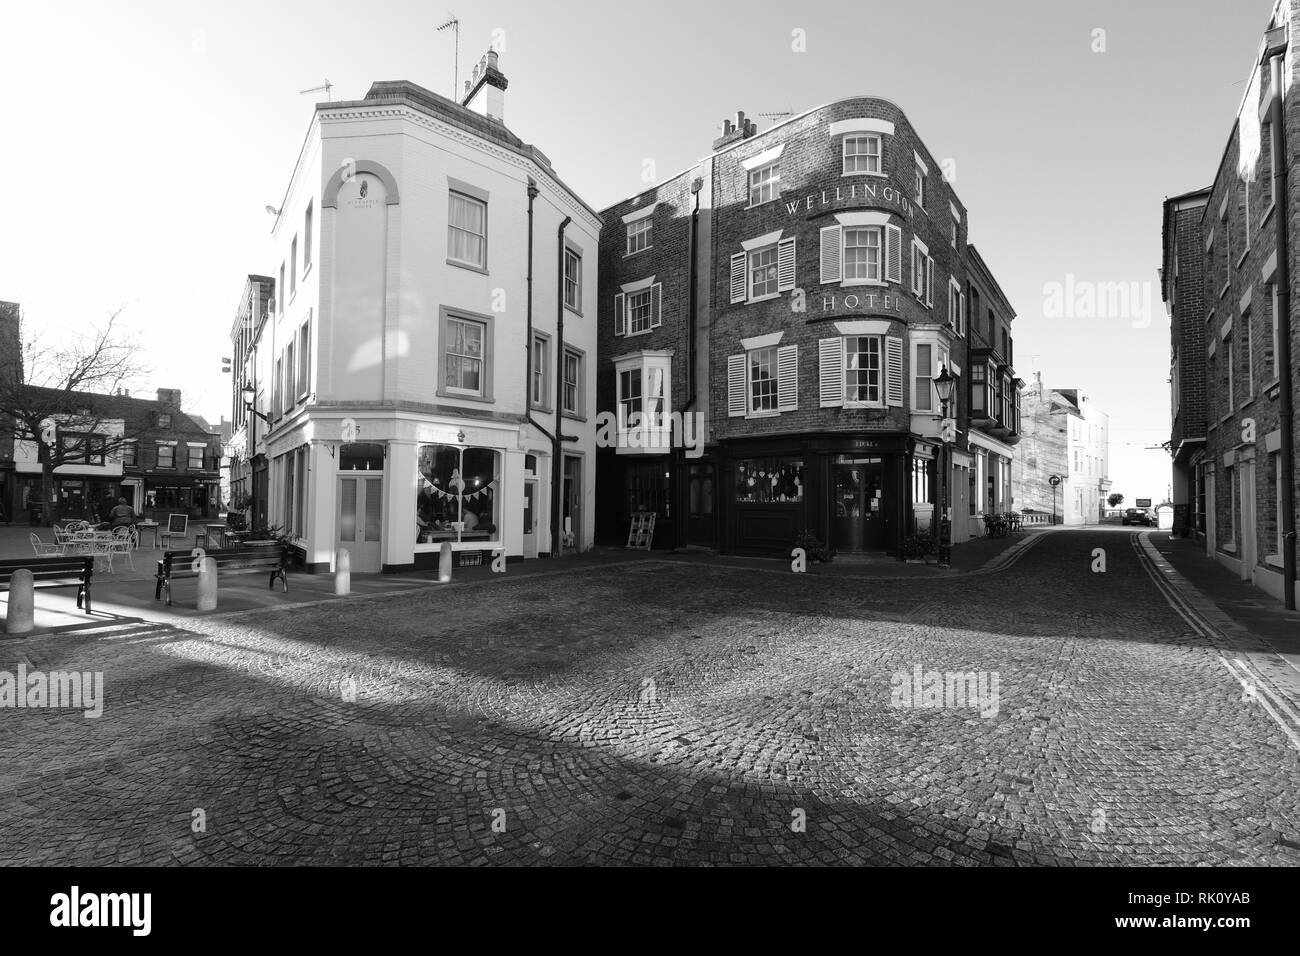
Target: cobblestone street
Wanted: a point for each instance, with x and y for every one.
(663, 712)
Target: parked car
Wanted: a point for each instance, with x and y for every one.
(1139, 516)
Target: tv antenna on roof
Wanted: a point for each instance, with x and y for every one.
(317, 89)
(454, 25)
(774, 116)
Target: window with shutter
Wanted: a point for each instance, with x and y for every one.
(831, 261)
(762, 380)
(862, 370)
(830, 369)
(736, 397)
(738, 283)
(620, 315)
(894, 254)
(656, 305)
(785, 265)
(787, 374)
(894, 371)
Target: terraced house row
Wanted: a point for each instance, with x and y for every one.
(1227, 281)
(800, 291)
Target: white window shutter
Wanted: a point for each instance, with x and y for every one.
(830, 368)
(787, 378)
(620, 315)
(916, 271)
(832, 254)
(738, 284)
(785, 265)
(893, 254)
(656, 305)
(894, 371)
(961, 313)
(736, 399)
(929, 280)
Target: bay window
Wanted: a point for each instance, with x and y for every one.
(643, 385)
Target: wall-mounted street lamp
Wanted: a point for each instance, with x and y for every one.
(944, 385)
(249, 394)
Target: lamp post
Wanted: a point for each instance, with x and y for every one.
(249, 394)
(944, 385)
(1053, 480)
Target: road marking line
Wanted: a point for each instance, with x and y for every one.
(1291, 734)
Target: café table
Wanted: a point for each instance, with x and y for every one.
(213, 532)
(143, 526)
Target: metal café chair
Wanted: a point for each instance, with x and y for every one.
(124, 541)
(45, 549)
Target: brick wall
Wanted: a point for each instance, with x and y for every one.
(811, 174)
(1250, 397)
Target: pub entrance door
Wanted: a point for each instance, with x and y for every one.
(858, 515)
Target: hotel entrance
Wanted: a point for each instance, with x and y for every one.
(858, 506)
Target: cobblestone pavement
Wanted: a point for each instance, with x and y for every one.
(662, 713)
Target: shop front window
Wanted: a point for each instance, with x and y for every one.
(769, 480)
(458, 496)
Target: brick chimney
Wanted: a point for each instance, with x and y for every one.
(170, 398)
(742, 128)
(485, 90)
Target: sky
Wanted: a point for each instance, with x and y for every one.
(141, 141)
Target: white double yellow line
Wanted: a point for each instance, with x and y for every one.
(1253, 685)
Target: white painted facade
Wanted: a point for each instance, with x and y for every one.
(378, 306)
(1087, 482)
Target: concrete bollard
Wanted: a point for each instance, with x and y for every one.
(343, 572)
(21, 618)
(444, 563)
(208, 585)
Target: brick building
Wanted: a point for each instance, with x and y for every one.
(785, 306)
(1241, 497)
(1182, 287)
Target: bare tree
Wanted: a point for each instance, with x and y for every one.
(62, 399)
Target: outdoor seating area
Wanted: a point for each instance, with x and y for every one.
(1001, 525)
(80, 538)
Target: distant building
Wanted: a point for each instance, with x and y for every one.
(1064, 436)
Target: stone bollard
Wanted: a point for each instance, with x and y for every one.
(343, 572)
(21, 618)
(208, 585)
(444, 563)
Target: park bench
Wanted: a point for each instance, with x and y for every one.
(273, 560)
(54, 572)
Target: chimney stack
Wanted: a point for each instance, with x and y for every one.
(485, 91)
(742, 128)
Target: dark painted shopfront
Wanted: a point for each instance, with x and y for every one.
(851, 492)
(646, 483)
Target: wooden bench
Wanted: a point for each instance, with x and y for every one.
(181, 564)
(54, 572)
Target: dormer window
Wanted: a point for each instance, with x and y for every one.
(164, 420)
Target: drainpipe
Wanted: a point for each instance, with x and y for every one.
(557, 466)
(678, 449)
(1286, 397)
(528, 342)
